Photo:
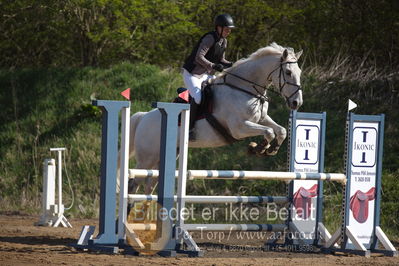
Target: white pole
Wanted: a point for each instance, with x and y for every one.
(124, 167)
(48, 196)
(60, 210)
(235, 174)
(182, 176)
(215, 199)
(59, 183)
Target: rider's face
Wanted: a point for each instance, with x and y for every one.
(224, 31)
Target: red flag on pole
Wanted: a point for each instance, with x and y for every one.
(184, 95)
(126, 93)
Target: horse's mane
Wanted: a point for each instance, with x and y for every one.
(271, 49)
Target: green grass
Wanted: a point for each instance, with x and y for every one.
(45, 108)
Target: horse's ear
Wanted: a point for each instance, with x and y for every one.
(297, 55)
(285, 55)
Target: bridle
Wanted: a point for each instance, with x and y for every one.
(262, 96)
(281, 86)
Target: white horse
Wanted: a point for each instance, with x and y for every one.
(240, 104)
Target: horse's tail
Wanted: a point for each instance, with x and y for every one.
(134, 121)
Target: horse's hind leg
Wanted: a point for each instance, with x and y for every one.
(134, 184)
(149, 184)
(144, 160)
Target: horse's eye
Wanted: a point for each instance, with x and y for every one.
(288, 72)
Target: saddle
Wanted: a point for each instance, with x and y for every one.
(205, 110)
(206, 102)
(303, 200)
(359, 204)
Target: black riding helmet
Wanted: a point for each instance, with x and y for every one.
(224, 20)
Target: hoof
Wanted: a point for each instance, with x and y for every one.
(258, 150)
(267, 153)
(252, 147)
(273, 148)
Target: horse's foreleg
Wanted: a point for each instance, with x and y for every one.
(249, 128)
(258, 149)
(280, 135)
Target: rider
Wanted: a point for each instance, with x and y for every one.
(206, 58)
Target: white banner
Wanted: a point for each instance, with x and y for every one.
(306, 160)
(363, 180)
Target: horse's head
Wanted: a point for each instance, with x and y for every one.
(283, 71)
(287, 77)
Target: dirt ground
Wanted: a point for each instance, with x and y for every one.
(22, 243)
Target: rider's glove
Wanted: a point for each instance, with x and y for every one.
(218, 67)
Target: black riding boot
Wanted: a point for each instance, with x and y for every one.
(193, 115)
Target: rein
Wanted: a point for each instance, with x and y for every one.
(262, 96)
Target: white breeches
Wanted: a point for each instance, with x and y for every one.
(193, 84)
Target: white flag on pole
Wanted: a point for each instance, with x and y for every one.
(351, 105)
